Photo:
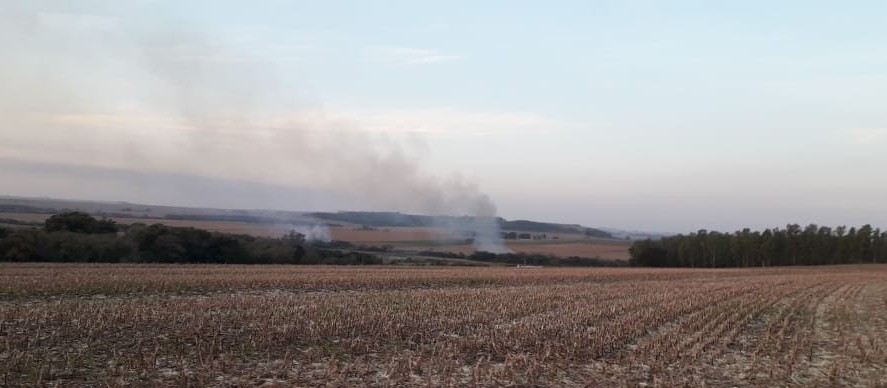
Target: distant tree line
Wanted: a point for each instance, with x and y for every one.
(10, 208)
(792, 245)
(545, 227)
(78, 237)
(245, 218)
(524, 236)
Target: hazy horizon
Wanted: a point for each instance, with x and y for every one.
(636, 115)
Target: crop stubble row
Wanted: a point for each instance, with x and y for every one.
(235, 326)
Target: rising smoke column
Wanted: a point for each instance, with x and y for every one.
(162, 97)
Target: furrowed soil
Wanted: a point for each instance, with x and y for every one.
(203, 325)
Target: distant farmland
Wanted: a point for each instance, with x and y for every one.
(196, 325)
(561, 240)
(426, 238)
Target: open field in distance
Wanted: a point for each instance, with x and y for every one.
(610, 250)
(25, 217)
(402, 238)
(393, 235)
(419, 239)
(90, 325)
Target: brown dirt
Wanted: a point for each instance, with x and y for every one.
(388, 234)
(582, 249)
(212, 325)
(590, 248)
(423, 239)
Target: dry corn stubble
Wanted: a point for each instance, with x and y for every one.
(88, 325)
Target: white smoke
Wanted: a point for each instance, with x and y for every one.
(163, 98)
(488, 236)
(313, 233)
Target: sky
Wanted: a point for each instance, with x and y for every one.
(663, 116)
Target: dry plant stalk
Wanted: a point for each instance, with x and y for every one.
(200, 325)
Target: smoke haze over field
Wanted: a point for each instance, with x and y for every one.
(186, 103)
(313, 233)
(655, 116)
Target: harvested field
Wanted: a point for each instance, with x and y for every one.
(581, 249)
(393, 235)
(617, 250)
(419, 239)
(93, 325)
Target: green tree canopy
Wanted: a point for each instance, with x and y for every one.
(79, 222)
(793, 245)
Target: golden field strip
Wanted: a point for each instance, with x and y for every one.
(201, 325)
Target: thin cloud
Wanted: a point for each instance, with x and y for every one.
(406, 56)
(453, 121)
(77, 22)
(430, 121)
(866, 136)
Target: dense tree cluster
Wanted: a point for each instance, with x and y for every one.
(545, 227)
(792, 245)
(79, 222)
(78, 237)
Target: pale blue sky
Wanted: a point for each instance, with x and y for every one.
(650, 115)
